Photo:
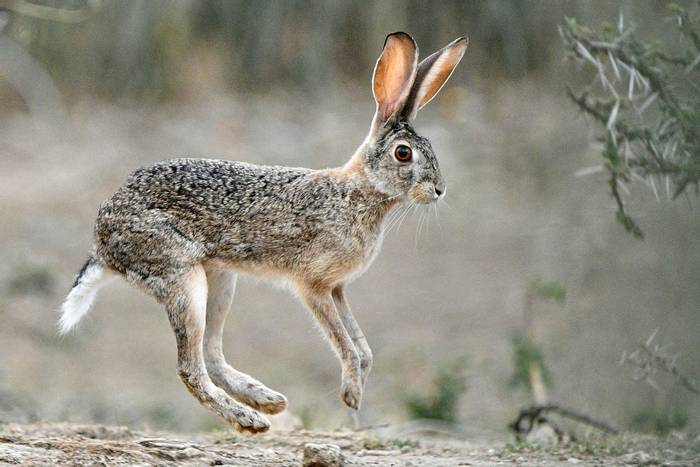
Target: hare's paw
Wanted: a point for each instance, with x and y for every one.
(351, 392)
(264, 399)
(246, 389)
(247, 420)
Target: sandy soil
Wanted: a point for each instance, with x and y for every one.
(63, 444)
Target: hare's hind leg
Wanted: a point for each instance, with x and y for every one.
(222, 285)
(186, 304)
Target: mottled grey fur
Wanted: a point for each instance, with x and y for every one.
(181, 229)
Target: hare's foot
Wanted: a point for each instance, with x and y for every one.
(264, 399)
(351, 390)
(246, 389)
(242, 418)
(250, 421)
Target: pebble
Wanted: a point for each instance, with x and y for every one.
(323, 455)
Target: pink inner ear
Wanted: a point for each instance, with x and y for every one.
(438, 74)
(394, 74)
(388, 109)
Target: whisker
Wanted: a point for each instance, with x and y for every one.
(447, 205)
(392, 217)
(418, 229)
(385, 200)
(390, 221)
(405, 215)
(400, 212)
(425, 218)
(422, 220)
(437, 216)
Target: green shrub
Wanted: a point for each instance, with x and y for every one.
(549, 291)
(449, 385)
(660, 422)
(525, 355)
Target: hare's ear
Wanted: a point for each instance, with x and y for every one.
(394, 75)
(432, 74)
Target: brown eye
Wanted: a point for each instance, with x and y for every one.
(403, 153)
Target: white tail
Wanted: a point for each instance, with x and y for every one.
(81, 296)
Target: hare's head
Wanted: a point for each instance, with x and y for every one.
(397, 160)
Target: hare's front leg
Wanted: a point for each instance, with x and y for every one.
(320, 302)
(222, 285)
(186, 304)
(356, 334)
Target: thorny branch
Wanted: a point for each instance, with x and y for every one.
(649, 358)
(648, 102)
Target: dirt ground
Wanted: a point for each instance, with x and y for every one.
(96, 445)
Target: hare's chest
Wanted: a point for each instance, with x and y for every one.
(364, 250)
(348, 242)
(338, 259)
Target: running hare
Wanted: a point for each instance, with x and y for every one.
(183, 228)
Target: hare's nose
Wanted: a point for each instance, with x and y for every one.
(440, 189)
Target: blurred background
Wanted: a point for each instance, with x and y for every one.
(522, 249)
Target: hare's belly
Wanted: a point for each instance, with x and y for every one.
(326, 257)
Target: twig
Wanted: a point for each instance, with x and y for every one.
(650, 357)
(537, 412)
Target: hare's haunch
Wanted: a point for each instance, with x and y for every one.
(183, 228)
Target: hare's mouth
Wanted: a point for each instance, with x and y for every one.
(423, 194)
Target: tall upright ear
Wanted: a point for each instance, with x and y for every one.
(432, 74)
(394, 74)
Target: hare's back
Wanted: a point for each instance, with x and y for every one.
(196, 196)
(203, 185)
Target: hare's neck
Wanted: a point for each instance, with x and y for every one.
(355, 167)
(375, 205)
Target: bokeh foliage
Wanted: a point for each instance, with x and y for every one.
(527, 354)
(449, 384)
(137, 49)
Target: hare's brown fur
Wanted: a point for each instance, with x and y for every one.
(311, 227)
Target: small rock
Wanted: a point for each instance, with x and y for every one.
(323, 455)
(573, 460)
(543, 435)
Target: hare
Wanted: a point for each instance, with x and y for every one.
(182, 229)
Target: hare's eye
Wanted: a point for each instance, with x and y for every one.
(403, 153)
